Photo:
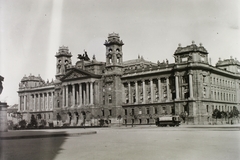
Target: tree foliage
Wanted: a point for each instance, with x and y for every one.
(22, 123)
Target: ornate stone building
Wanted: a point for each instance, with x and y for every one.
(137, 90)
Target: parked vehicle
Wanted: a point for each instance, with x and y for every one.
(168, 121)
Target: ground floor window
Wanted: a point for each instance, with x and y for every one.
(132, 121)
(147, 121)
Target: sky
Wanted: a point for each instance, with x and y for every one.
(32, 31)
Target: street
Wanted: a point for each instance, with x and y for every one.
(130, 143)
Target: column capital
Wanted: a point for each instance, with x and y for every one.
(190, 72)
(177, 74)
(124, 82)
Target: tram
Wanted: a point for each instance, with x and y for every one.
(168, 121)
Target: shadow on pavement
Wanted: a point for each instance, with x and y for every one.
(31, 148)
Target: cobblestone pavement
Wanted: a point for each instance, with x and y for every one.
(133, 143)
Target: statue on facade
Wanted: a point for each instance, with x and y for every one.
(1, 86)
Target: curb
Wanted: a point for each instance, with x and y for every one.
(48, 136)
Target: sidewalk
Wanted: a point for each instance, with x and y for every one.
(23, 134)
(147, 126)
(210, 126)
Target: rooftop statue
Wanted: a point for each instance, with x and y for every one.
(84, 56)
(1, 86)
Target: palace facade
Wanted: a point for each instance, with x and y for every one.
(135, 91)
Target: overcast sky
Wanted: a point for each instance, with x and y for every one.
(31, 32)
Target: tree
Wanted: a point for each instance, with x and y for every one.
(22, 124)
(216, 114)
(33, 121)
(234, 113)
(59, 118)
(119, 118)
(42, 123)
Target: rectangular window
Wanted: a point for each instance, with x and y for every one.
(109, 99)
(148, 111)
(132, 111)
(173, 110)
(207, 108)
(156, 111)
(134, 99)
(125, 111)
(103, 113)
(184, 59)
(103, 99)
(110, 112)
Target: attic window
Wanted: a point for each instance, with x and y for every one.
(184, 59)
(110, 50)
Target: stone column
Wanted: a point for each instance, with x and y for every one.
(43, 107)
(136, 89)
(25, 102)
(63, 96)
(176, 86)
(52, 100)
(34, 102)
(87, 93)
(73, 92)
(190, 85)
(168, 90)
(47, 101)
(129, 93)
(144, 91)
(91, 92)
(77, 97)
(80, 94)
(19, 105)
(159, 89)
(39, 102)
(84, 95)
(151, 86)
(123, 93)
(66, 95)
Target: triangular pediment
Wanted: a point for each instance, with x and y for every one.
(75, 75)
(78, 74)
